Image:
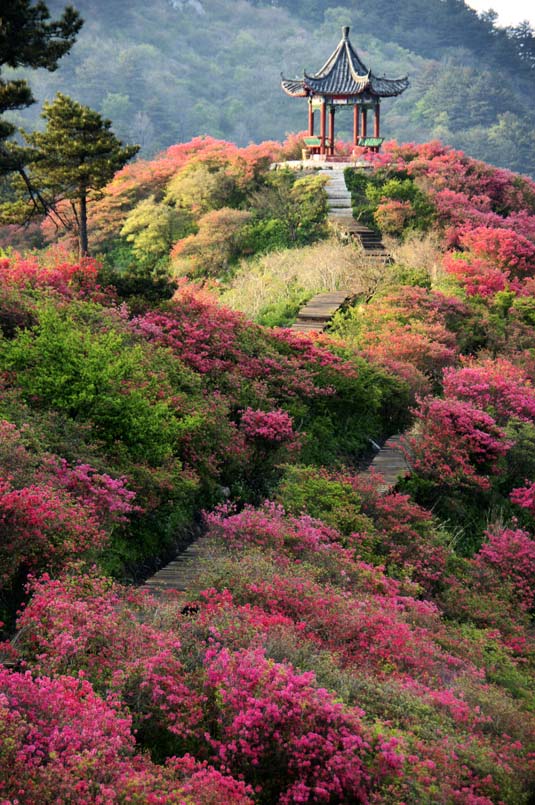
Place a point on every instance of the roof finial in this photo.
(345, 31)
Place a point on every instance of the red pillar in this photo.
(310, 120)
(377, 121)
(331, 131)
(356, 125)
(323, 126)
(364, 122)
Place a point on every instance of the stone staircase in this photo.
(340, 215)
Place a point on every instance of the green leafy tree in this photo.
(153, 228)
(76, 155)
(216, 246)
(204, 187)
(28, 38)
(96, 377)
(298, 205)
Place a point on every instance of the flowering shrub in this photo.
(264, 369)
(17, 462)
(90, 625)
(503, 248)
(456, 444)
(69, 279)
(108, 497)
(41, 527)
(268, 426)
(511, 554)
(476, 276)
(524, 496)
(409, 332)
(271, 717)
(60, 741)
(392, 216)
(496, 386)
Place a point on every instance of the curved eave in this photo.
(294, 87)
(388, 87)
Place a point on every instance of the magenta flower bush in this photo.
(457, 443)
(267, 426)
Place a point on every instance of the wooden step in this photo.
(390, 463)
(318, 312)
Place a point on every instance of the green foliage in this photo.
(76, 154)
(464, 513)
(289, 211)
(309, 490)
(405, 275)
(266, 235)
(217, 245)
(153, 228)
(367, 405)
(28, 38)
(389, 201)
(140, 283)
(68, 363)
(521, 456)
(284, 312)
(204, 186)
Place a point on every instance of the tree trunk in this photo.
(83, 247)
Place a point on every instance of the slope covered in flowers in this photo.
(339, 645)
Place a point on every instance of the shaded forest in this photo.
(172, 69)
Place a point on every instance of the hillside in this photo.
(169, 70)
(339, 643)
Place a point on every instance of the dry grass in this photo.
(326, 266)
(419, 251)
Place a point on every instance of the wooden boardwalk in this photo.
(184, 574)
(316, 314)
(340, 215)
(390, 463)
(180, 574)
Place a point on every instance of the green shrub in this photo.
(94, 373)
(308, 490)
(373, 194)
(369, 405)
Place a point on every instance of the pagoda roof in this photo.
(344, 74)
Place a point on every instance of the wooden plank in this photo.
(390, 462)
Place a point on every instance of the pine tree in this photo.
(76, 156)
(28, 38)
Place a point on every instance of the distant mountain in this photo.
(167, 70)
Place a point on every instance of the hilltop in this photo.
(339, 643)
(169, 70)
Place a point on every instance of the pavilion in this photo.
(343, 81)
